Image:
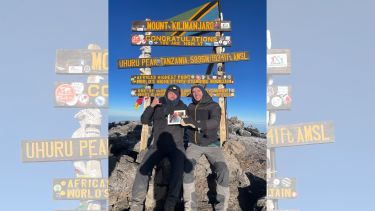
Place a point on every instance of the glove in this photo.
(189, 122)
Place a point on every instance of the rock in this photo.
(243, 132)
(245, 156)
(120, 185)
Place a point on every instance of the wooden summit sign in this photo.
(81, 95)
(80, 189)
(190, 41)
(281, 188)
(181, 79)
(182, 60)
(171, 26)
(184, 92)
(81, 62)
(300, 134)
(65, 149)
(278, 62)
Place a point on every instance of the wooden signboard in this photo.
(81, 95)
(181, 79)
(278, 62)
(80, 189)
(300, 134)
(279, 98)
(81, 62)
(190, 41)
(172, 26)
(182, 60)
(65, 149)
(281, 188)
(184, 92)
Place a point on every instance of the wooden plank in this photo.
(81, 62)
(279, 62)
(145, 128)
(187, 41)
(65, 149)
(181, 79)
(80, 189)
(281, 188)
(300, 134)
(81, 95)
(184, 92)
(172, 26)
(279, 98)
(182, 60)
(145, 133)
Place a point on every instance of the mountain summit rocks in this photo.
(245, 153)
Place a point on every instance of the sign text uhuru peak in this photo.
(181, 26)
(183, 60)
(62, 150)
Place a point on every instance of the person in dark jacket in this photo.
(168, 142)
(203, 121)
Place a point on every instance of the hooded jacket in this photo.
(165, 136)
(207, 114)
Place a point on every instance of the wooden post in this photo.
(272, 153)
(222, 101)
(146, 53)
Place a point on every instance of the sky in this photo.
(248, 34)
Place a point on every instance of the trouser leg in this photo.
(177, 159)
(140, 184)
(193, 154)
(216, 158)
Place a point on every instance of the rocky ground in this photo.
(245, 153)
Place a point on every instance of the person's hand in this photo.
(188, 121)
(155, 102)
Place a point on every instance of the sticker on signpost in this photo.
(279, 98)
(81, 95)
(81, 62)
(278, 62)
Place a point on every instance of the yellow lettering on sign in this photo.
(156, 26)
(323, 134)
(92, 148)
(82, 145)
(103, 147)
(290, 137)
(99, 60)
(316, 133)
(300, 136)
(30, 150)
(308, 133)
(128, 63)
(93, 90)
(280, 193)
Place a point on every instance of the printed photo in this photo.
(176, 117)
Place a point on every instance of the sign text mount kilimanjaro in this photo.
(171, 26)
